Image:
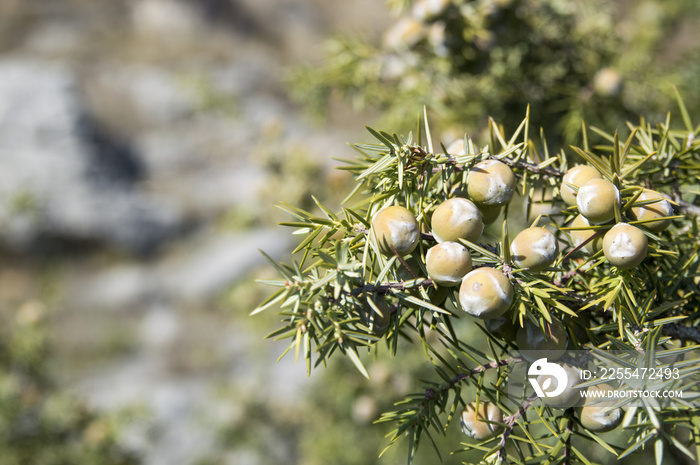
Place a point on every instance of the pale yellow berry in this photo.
(579, 236)
(489, 213)
(597, 414)
(482, 423)
(486, 293)
(597, 200)
(534, 249)
(660, 209)
(457, 147)
(491, 182)
(625, 246)
(571, 397)
(396, 229)
(607, 82)
(447, 263)
(456, 219)
(577, 176)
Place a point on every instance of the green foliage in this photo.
(323, 293)
(40, 424)
(598, 61)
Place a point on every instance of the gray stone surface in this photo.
(192, 95)
(76, 182)
(191, 277)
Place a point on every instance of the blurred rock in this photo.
(63, 177)
(116, 288)
(173, 436)
(16, 285)
(170, 18)
(192, 88)
(155, 94)
(54, 40)
(221, 262)
(197, 276)
(228, 13)
(160, 327)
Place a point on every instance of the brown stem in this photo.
(532, 168)
(583, 244)
(384, 287)
(510, 422)
(512, 419)
(682, 332)
(567, 445)
(398, 255)
(482, 368)
(687, 207)
(431, 394)
(428, 237)
(569, 274)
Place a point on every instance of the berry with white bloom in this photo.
(577, 176)
(447, 263)
(653, 211)
(491, 182)
(486, 293)
(596, 414)
(534, 249)
(597, 200)
(396, 229)
(625, 246)
(481, 423)
(455, 219)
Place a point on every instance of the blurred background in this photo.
(143, 146)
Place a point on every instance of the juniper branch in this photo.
(567, 444)
(682, 332)
(432, 394)
(532, 168)
(510, 422)
(482, 368)
(385, 287)
(687, 207)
